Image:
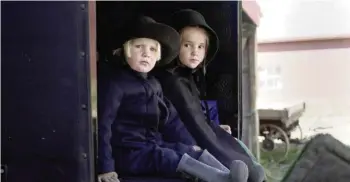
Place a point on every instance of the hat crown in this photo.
(145, 20)
(139, 22)
(190, 17)
(146, 27)
(186, 17)
(191, 14)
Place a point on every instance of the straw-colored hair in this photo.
(127, 47)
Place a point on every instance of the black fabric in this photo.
(178, 87)
(139, 131)
(146, 27)
(221, 74)
(189, 17)
(154, 179)
(324, 159)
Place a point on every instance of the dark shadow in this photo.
(222, 74)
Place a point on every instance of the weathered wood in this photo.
(250, 115)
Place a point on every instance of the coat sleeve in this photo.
(109, 98)
(151, 157)
(190, 111)
(174, 130)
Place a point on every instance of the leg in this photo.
(260, 169)
(204, 172)
(238, 169)
(210, 160)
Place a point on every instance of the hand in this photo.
(227, 128)
(196, 148)
(108, 177)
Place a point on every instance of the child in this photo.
(199, 44)
(139, 131)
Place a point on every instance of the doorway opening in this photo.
(222, 72)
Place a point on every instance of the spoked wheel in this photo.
(297, 136)
(275, 143)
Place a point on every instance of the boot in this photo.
(210, 160)
(204, 172)
(260, 173)
(239, 171)
(259, 176)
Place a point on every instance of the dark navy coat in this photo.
(179, 87)
(139, 131)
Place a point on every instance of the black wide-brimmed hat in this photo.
(146, 27)
(189, 17)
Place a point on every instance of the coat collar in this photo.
(129, 71)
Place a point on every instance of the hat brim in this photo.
(168, 38)
(188, 17)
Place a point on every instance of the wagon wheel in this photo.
(299, 135)
(275, 143)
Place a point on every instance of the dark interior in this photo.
(46, 131)
(222, 73)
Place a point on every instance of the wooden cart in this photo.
(277, 121)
